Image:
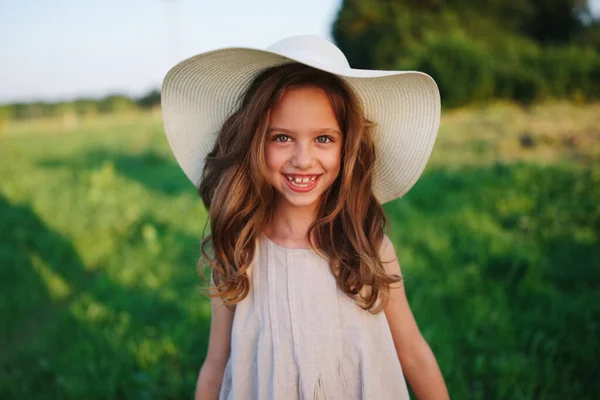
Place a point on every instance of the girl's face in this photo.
(303, 146)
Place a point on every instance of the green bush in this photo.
(570, 72)
(523, 51)
(468, 70)
(460, 67)
(516, 77)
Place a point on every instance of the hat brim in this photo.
(200, 93)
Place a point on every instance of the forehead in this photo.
(303, 109)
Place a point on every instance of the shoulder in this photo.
(388, 257)
(386, 250)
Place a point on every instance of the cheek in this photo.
(274, 159)
(332, 161)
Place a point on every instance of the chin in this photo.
(297, 201)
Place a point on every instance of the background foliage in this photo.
(499, 240)
(525, 51)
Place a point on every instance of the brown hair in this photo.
(349, 229)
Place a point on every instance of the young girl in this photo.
(293, 153)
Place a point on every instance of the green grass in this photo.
(499, 244)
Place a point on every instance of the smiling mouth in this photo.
(304, 181)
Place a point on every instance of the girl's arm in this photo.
(418, 362)
(219, 346)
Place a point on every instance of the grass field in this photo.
(499, 243)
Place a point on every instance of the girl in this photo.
(293, 153)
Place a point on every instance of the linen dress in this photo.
(298, 336)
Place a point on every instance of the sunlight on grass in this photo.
(499, 243)
(58, 288)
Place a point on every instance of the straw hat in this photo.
(200, 93)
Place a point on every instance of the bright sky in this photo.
(63, 49)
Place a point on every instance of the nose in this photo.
(303, 157)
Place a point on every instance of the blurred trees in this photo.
(521, 50)
(526, 51)
(150, 100)
(116, 103)
(79, 108)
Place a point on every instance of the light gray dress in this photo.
(297, 336)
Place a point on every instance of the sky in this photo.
(64, 49)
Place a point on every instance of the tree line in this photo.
(80, 107)
(526, 51)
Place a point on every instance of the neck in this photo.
(291, 222)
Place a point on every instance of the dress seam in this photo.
(291, 304)
(272, 296)
(273, 319)
(256, 283)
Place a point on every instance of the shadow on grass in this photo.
(70, 333)
(503, 275)
(154, 171)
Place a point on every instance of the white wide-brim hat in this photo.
(200, 93)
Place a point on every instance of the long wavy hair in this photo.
(350, 224)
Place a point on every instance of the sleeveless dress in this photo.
(297, 336)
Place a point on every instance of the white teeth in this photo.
(301, 182)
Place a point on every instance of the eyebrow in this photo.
(324, 130)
